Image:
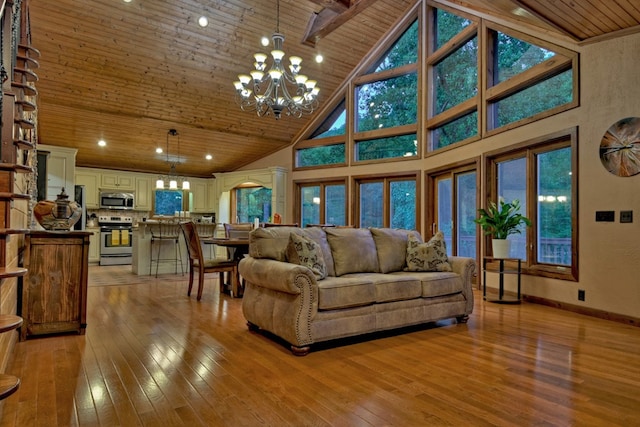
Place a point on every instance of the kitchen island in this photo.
(142, 234)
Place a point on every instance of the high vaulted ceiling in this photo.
(129, 72)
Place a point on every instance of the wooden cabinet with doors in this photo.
(117, 181)
(200, 196)
(54, 290)
(144, 192)
(90, 180)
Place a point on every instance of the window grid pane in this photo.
(387, 103)
(551, 93)
(445, 219)
(512, 185)
(323, 155)
(335, 203)
(466, 213)
(310, 205)
(456, 77)
(386, 148)
(554, 204)
(455, 131)
(404, 52)
(516, 56)
(447, 26)
(371, 205)
(403, 204)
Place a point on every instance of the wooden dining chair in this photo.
(203, 266)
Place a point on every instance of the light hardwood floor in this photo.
(152, 356)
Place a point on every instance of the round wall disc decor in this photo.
(620, 147)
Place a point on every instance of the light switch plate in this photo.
(605, 216)
(626, 216)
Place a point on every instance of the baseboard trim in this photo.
(601, 314)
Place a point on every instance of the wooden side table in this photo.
(54, 290)
(501, 272)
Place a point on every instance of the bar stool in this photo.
(165, 232)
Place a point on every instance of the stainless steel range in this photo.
(116, 240)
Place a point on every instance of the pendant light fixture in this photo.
(172, 178)
(274, 90)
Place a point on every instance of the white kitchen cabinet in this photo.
(117, 181)
(203, 196)
(144, 193)
(61, 164)
(90, 180)
(94, 245)
(199, 196)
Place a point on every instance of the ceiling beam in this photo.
(333, 15)
(338, 6)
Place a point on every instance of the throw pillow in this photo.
(430, 256)
(304, 251)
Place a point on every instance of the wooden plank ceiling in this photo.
(129, 72)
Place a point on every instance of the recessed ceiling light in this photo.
(264, 41)
(319, 58)
(159, 150)
(208, 157)
(203, 21)
(102, 143)
(127, 1)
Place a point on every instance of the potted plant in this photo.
(500, 221)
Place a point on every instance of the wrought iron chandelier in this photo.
(277, 90)
(172, 178)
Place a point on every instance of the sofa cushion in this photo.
(318, 235)
(303, 251)
(390, 287)
(353, 250)
(435, 283)
(391, 245)
(344, 292)
(270, 242)
(430, 256)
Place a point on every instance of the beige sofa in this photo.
(365, 289)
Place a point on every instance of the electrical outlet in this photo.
(605, 216)
(626, 216)
(580, 294)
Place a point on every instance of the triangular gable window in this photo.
(403, 52)
(334, 125)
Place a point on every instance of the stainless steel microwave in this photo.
(113, 200)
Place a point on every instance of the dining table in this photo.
(239, 247)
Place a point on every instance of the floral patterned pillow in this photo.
(303, 251)
(429, 256)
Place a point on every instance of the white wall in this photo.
(608, 252)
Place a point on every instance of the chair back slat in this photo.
(238, 231)
(192, 240)
(164, 229)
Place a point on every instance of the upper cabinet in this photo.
(198, 198)
(61, 163)
(144, 192)
(90, 180)
(117, 181)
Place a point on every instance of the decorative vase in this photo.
(501, 248)
(57, 215)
